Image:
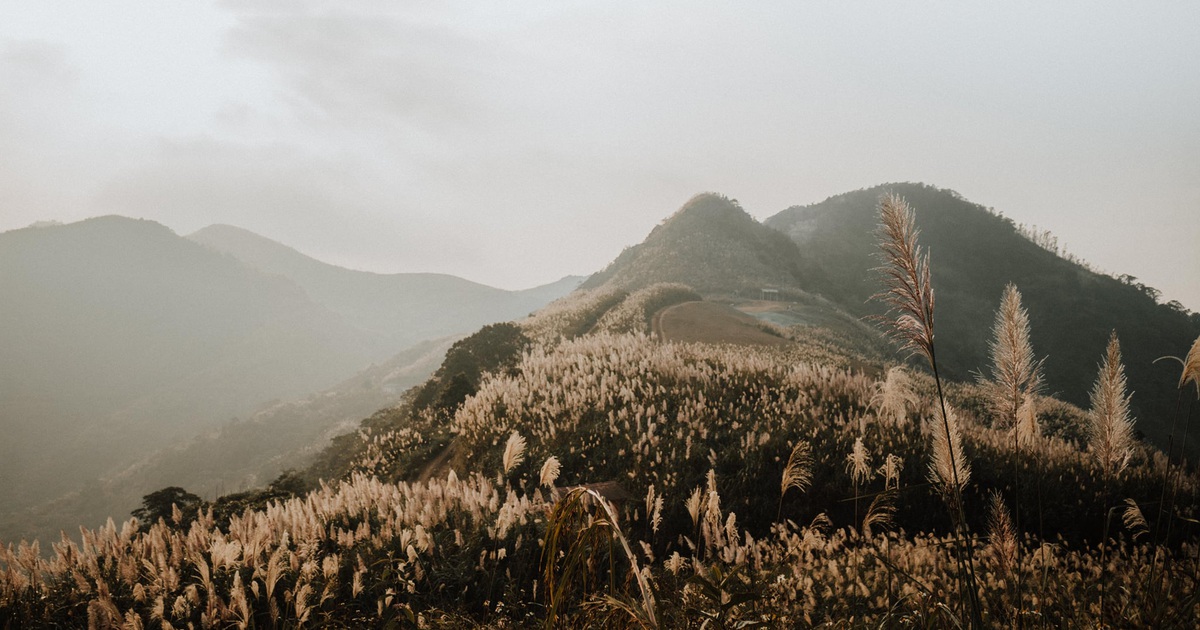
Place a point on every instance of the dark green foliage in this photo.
(161, 504)
(494, 347)
(289, 484)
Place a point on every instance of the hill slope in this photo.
(404, 307)
(239, 454)
(713, 246)
(974, 253)
(120, 337)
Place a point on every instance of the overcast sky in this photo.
(513, 143)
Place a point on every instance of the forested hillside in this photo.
(975, 252)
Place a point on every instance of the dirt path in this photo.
(710, 322)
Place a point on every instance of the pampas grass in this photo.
(1135, 522)
(909, 297)
(581, 528)
(1110, 427)
(1003, 540)
(948, 473)
(1016, 379)
(514, 452)
(894, 396)
(1191, 368)
(909, 293)
(549, 472)
(796, 474)
(858, 463)
(1016, 374)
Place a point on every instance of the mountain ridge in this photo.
(405, 307)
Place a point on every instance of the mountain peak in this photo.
(712, 245)
(709, 207)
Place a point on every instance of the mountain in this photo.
(120, 337)
(712, 245)
(405, 308)
(238, 454)
(974, 253)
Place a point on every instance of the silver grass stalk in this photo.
(693, 506)
(881, 512)
(1015, 372)
(1002, 534)
(891, 471)
(549, 472)
(909, 297)
(514, 452)
(1028, 429)
(1191, 368)
(949, 470)
(1110, 425)
(894, 396)
(909, 293)
(798, 471)
(858, 463)
(1135, 521)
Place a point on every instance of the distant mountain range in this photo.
(404, 308)
(121, 337)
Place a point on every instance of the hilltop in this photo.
(712, 245)
(974, 253)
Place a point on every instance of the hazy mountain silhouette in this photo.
(712, 245)
(974, 253)
(404, 307)
(238, 454)
(120, 336)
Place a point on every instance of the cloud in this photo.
(368, 71)
(42, 144)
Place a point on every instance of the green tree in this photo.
(161, 504)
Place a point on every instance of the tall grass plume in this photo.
(1110, 427)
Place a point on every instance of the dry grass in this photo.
(1111, 426)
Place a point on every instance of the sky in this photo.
(513, 143)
